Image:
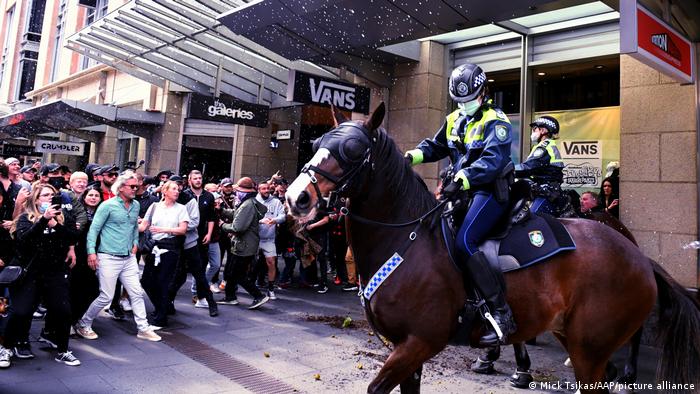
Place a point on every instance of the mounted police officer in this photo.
(544, 166)
(477, 138)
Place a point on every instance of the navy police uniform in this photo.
(479, 148)
(545, 167)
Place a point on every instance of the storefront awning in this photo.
(351, 31)
(74, 117)
(182, 42)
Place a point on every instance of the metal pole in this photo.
(219, 72)
(525, 95)
(697, 154)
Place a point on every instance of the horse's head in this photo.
(341, 160)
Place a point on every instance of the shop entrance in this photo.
(315, 121)
(210, 155)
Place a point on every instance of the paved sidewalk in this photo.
(294, 341)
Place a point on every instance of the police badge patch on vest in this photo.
(538, 152)
(536, 238)
(501, 132)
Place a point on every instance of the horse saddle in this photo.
(520, 240)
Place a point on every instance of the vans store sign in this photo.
(60, 147)
(312, 89)
(228, 110)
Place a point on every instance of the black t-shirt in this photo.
(206, 210)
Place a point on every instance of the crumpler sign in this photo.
(227, 109)
(654, 42)
(312, 89)
(60, 147)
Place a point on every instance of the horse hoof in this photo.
(482, 367)
(521, 380)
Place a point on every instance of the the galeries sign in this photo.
(313, 89)
(60, 147)
(228, 110)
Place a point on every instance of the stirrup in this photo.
(495, 326)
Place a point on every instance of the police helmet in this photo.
(549, 123)
(466, 82)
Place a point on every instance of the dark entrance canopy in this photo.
(74, 117)
(349, 32)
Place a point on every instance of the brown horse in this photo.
(593, 299)
(522, 376)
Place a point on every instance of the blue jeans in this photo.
(483, 214)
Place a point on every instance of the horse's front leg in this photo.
(401, 365)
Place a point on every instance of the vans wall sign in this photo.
(655, 43)
(227, 109)
(60, 147)
(313, 89)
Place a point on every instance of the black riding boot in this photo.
(490, 284)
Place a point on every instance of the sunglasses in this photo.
(133, 187)
(112, 174)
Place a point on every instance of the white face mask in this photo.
(534, 137)
(470, 107)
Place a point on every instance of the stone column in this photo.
(164, 145)
(418, 103)
(255, 158)
(658, 176)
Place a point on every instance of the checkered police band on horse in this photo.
(419, 304)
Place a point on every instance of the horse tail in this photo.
(678, 331)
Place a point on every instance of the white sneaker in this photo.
(148, 335)
(5, 355)
(271, 294)
(214, 288)
(86, 332)
(201, 303)
(125, 304)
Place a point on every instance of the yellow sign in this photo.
(588, 140)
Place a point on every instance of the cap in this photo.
(27, 168)
(216, 195)
(226, 182)
(164, 172)
(106, 169)
(176, 178)
(246, 185)
(90, 168)
(48, 168)
(11, 160)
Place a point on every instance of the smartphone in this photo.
(57, 200)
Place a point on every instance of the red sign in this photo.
(657, 39)
(655, 43)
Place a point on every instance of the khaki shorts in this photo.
(268, 248)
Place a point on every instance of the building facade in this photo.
(155, 59)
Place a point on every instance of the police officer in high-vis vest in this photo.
(477, 138)
(544, 166)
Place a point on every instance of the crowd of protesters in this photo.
(108, 240)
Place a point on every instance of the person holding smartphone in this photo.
(44, 233)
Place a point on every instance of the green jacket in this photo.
(245, 227)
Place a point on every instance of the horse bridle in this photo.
(345, 181)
